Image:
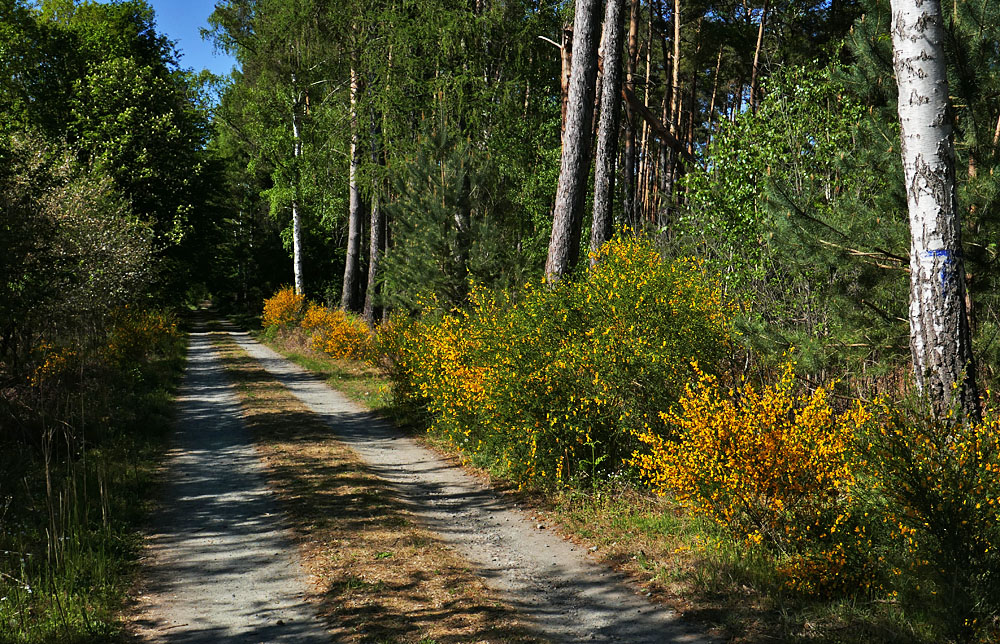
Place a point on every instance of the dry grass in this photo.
(378, 576)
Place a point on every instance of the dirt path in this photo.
(555, 587)
(221, 566)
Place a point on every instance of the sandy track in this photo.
(555, 587)
(221, 566)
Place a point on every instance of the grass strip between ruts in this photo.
(378, 576)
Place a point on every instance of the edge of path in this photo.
(552, 583)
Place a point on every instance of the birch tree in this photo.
(355, 215)
(940, 341)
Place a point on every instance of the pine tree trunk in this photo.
(940, 340)
(566, 63)
(567, 217)
(607, 136)
(356, 208)
(296, 210)
(628, 174)
(755, 75)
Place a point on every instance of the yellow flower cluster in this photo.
(336, 333)
(547, 386)
(132, 337)
(54, 363)
(136, 335)
(944, 477)
(776, 467)
(283, 309)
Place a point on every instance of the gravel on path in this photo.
(551, 583)
(221, 566)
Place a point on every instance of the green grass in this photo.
(71, 504)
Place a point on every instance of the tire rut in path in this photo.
(221, 566)
(551, 583)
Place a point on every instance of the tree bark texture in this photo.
(607, 135)
(296, 210)
(566, 63)
(567, 218)
(356, 208)
(940, 340)
(630, 153)
(376, 236)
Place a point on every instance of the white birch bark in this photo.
(296, 210)
(940, 341)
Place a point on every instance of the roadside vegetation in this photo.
(775, 507)
(766, 368)
(83, 443)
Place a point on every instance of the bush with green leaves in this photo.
(554, 385)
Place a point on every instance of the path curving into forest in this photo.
(554, 586)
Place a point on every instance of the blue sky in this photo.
(180, 20)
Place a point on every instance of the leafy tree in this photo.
(777, 211)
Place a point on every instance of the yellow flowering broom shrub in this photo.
(943, 481)
(550, 386)
(336, 333)
(137, 335)
(777, 468)
(283, 309)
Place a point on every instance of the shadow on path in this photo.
(222, 568)
(551, 583)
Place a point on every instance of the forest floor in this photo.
(399, 543)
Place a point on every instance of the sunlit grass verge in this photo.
(72, 501)
(699, 569)
(377, 575)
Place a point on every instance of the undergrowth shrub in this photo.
(943, 481)
(76, 475)
(337, 334)
(283, 309)
(777, 468)
(552, 386)
(137, 335)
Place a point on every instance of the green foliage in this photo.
(552, 387)
(943, 485)
(450, 227)
(72, 501)
(99, 78)
(777, 211)
(74, 253)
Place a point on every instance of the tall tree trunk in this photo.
(296, 192)
(631, 119)
(940, 341)
(644, 166)
(607, 136)
(566, 62)
(348, 296)
(567, 217)
(715, 90)
(755, 75)
(377, 232)
(675, 89)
